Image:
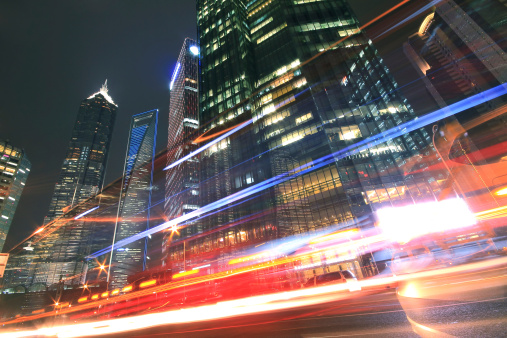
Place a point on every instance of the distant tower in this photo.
(60, 254)
(84, 166)
(135, 199)
(14, 169)
(182, 181)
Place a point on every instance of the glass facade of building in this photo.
(309, 84)
(135, 199)
(14, 170)
(59, 254)
(182, 180)
(84, 166)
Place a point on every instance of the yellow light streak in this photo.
(501, 192)
(185, 273)
(335, 236)
(249, 258)
(148, 283)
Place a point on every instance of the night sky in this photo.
(55, 53)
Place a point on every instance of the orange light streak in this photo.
(492, 213)
(82, 299)
(203, 138)
(249, 258)
(185, 273)
(115, 292)
(94, 297)
(128, 288)
(104, 294)
(501, 192)
(147, 283)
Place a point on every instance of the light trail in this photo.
(492, 213)
(208, 145)
(246, 306)
(86, 212)
(323, 161)
(407, 19)
(205, 137)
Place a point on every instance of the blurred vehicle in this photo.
(335, 277)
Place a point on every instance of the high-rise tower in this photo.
(135, 199)
(308, 83)
(84, 165)
(14, 170)
(182, 180)
(59, 254)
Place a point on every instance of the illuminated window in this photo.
(304, 118)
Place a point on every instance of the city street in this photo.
(365, 315)
(253, 168)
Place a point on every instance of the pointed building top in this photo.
(104, 87)
(104, 91)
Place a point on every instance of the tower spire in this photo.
(104, 89)
(105, 92)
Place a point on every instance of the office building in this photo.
(84, 166)
(134, 205)
(14, 170)
(307, 84)
(182, 180)
(58, 255)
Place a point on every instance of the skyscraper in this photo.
(84, 165)
(306, 83)
(59, 253)
(182, 181)
(135, 199)
(14, 170)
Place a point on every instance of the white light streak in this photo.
(175, 74)
(86, 212)
(215, 141)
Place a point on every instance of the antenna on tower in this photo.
(104, 88)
